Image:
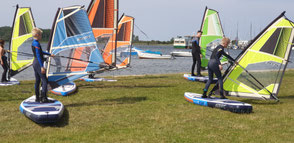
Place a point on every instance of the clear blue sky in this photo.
(164, 19)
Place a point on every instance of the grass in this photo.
(147, 109)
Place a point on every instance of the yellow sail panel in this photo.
(20, 45)
(262, 64)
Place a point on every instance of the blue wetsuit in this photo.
(213, 67)
(37, 64)
(196, 56)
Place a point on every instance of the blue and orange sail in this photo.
(74, 46)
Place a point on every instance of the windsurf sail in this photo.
(103, 16)
(124, 40)
(262, 64)
(21, 39)
(74, 46)
(212, 32)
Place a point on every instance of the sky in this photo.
(165, 19)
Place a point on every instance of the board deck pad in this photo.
(12, 81)
(65, 90)
(198, 78)
(97, 79)
(214, 102)
(42, 112)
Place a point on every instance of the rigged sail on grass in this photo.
(103, 16)
(21, 40)
(212, 31)
(262, 64)
(124, 40)
(74, 46)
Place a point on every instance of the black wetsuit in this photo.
(213, 67)
(5, 67)
(196, 56)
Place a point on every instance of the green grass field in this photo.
(147, 109)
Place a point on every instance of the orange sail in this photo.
(124, 40)
(103, 15)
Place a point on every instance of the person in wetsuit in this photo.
(3, 61)
(39, 69)
(196, 54)
(215, 67)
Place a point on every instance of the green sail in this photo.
(212, 31)
(262, 64)
(20, 41)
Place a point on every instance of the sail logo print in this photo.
(272, 63)
(83, 38)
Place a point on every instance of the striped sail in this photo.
(212, 31)
(74, 46)
(103, 16)
(21, 39)
(262, 64)
(124, 40)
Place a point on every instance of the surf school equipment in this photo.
(11, 82)
(214, 102)
(42, 112)
(21, 38)
(212, 32)
(103, 16)
(262, 63)
(124, 40)
(198, 78)
(65, 90)
(74, 46)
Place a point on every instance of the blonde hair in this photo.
(225, 40)
(36, 31)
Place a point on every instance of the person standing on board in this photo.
(215, 67)
(196, 54)
(39, 69)
(3, 61)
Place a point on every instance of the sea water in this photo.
(146, 66)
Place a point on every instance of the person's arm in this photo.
(1, 53)
(46, 53)
(228, 56)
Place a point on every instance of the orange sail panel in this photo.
(124, 40)
(103, 19)
(78, 65)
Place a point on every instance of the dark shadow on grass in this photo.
(260, 102)
(124, 86)
(62, 122)
(287, 97)
(150, 77)
(122, 100)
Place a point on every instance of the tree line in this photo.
(5, 34)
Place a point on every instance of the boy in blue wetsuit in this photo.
(196, 54)
(39, 69)
(215, 67)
